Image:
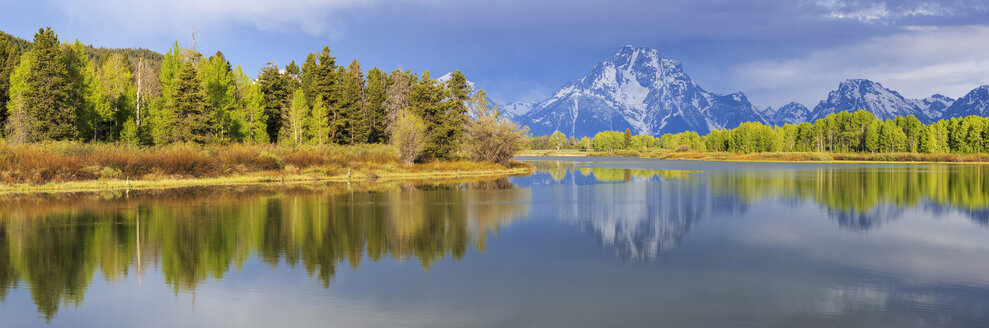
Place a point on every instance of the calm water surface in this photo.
(601, 242)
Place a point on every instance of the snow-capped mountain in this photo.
(792, 113)
(860, 94)
(640, 90)
(934, 106)
(513, 110)
(976, 102)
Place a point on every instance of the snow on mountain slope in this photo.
(860, 94)
(640, 90)
(976, 102)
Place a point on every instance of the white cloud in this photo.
(883, 12)
(315, 17)
(917, 62)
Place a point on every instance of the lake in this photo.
(584, 242)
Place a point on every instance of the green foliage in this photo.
(558, 140)
(48, 98)
(197, 117)
(489, 137)
(296, 119)
(409, 135)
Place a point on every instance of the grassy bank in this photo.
(778, 157)
(66, 166)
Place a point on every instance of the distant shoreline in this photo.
(793, 157)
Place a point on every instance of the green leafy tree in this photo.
(558, 139)
(221, 92)
(297, 116)
(319, 127)
(408, 134)
(10, 56)
(19, 126)
(164, 117)
(115, 97)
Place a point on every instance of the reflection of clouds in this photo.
(920, 305)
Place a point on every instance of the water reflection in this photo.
(751, 238)
(639, 213)
(56, 247)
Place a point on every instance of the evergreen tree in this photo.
(456, 119)
(357, 118)
(427, 102)
(375, 95)
(198, 122)
(47, 99)
(274, 89)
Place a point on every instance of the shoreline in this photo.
(256, 178)
(712, 157)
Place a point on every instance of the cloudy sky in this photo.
(775, 51)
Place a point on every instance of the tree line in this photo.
(55, 91)
(842, 132)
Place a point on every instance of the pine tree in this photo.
(198, 122)
(47, 98)
(375, 95)
(427, 102)
(456, 117)
(357, 111)
(275, 92)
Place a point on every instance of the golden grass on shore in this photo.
(76, 166)
(779, 156)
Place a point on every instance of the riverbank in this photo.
(77, 167)
(777, 157)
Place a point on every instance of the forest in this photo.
(842, 132)
(55, 92)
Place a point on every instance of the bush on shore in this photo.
(74, 161)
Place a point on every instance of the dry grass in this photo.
(62, 162)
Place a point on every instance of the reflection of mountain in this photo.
(57, 248)
(636, 213)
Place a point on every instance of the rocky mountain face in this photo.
(860, 94)
(976, 102)
(638, 90)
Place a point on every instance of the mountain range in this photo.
(640, 90)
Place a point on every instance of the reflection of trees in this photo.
(201, 235)
(861, 198)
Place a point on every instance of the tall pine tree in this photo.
(198, 122)
(47, 98)
(374, 102)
